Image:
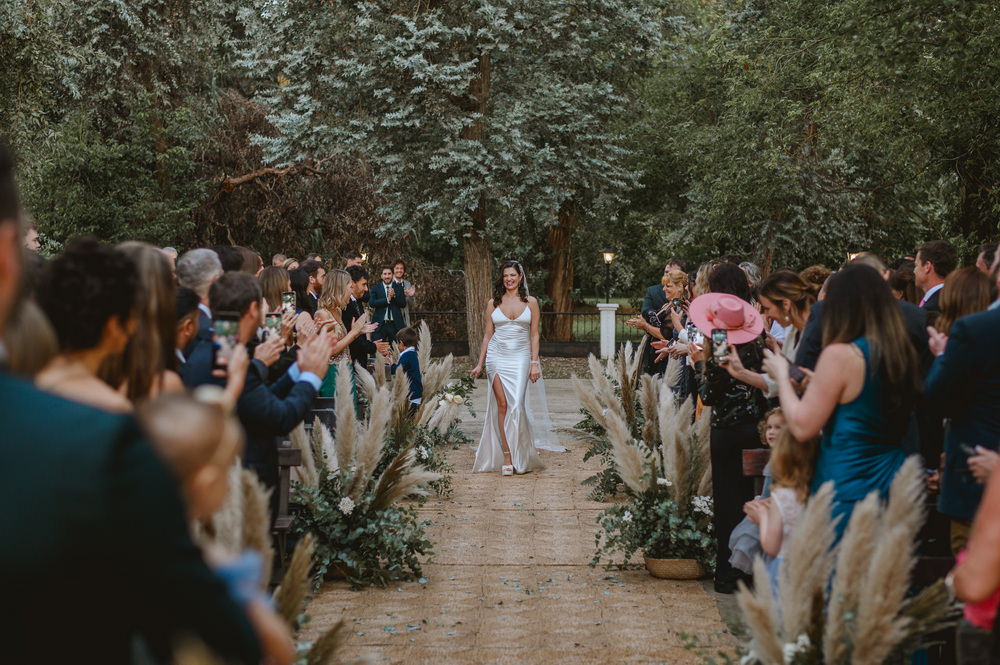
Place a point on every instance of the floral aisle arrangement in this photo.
(434, 427)
(354, 510)
(864, 615)
(667, 476)
(610, 389)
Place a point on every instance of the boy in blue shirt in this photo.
(406, 342)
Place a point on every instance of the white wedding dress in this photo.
(527, 425)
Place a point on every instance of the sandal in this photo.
(507, 469)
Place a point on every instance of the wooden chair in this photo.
(287, 458)
(754, 461)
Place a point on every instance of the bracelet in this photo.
(535, 362)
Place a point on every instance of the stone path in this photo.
(510, 583)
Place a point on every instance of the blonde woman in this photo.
(330, 312)
(673, 315)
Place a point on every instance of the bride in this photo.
(515, 427)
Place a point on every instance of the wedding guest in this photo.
(966, 291)
(273, 282)
(674, 263)
(984, 259)
(31, 242)
(406, 342)
(362, 347)
(329, 316)
(815, 276)
(388, 301)
(30, 341)
(354, 260)
(976, 581)
(902, 284)
(197, 269)
(410, 291)
(148, 365)
(115, 549)
(171, 254)
(230, 257)
(316, 273)
(290, 264)
(792, 463)
(88, 294)
(863, 392)
(964, 386)
(935, 261)
(278, 260)
(787, 299)
(252, 263)
(744, 543)
(186, 309)
(736, 406)
(268, 412)
(200, 442)
(318, 258)
(298, 280)
(753, 273)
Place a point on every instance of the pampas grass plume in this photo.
(257, 522)
(290, 595)
(759, 614)
(808, 560)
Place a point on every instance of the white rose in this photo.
(346, 505)
(441, 402)
(456, 399)
(664, 482)
(626, 516)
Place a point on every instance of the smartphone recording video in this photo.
(272, 325)
(288, 303)
(720, 345)
(226, 326)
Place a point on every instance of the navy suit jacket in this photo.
(654, 299)
(197, 371)
(95, 540)
(964, 385)
(410, 365)
(268, 412)
(383, 306)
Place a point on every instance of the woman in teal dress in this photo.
(861, 394)
(329, 313)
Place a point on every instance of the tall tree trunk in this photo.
(478, 263)
(478, 288)
(560, 265)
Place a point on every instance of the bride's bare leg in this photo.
(501, 398)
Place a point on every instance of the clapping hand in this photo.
(937, 341)
(287, 326)
(982, 463)
(776, 365)
(268, 352)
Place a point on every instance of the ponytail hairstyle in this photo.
(499, 289)
(786, 285)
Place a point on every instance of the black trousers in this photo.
(730, 488)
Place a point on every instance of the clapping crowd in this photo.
(843, 374)
(131, 379)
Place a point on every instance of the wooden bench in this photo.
(287, 458)
(754, 461)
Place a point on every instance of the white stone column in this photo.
(607, 328)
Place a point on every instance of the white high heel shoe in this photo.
(507, 470)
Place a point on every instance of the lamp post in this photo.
(609, 257)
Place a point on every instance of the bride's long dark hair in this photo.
(499, 289)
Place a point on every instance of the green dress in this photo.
(329, 387)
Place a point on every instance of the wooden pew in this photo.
(754, 461)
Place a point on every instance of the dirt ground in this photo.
(510, 581)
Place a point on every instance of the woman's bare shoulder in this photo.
(532, 300)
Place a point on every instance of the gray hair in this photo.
(752, 272)
(197, 269)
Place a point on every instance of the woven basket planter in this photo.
(674, 569)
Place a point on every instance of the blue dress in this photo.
(859, 451)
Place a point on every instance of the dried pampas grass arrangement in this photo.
(861, 616)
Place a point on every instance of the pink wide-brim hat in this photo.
(731, 313)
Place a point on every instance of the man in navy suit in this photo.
(388, 300)
(95, 536)
(935, 261)
(964, 386)
(406, 341)
(268, 412)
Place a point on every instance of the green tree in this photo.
(480, 119)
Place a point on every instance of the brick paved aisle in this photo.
(510, 582)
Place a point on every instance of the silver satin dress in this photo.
(508, 356)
